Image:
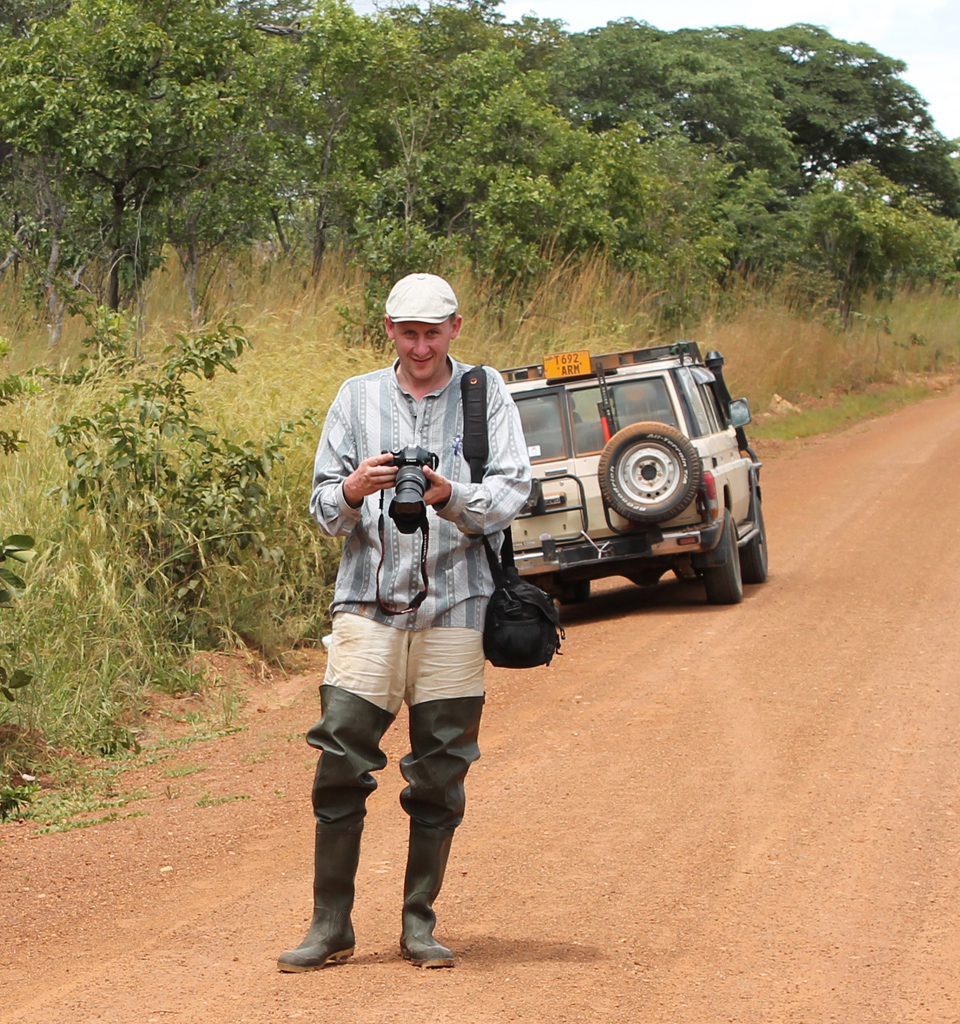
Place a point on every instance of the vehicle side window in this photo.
(709, 403)
(542, 426)
(701, 423)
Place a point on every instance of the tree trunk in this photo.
(281, 238)
(319, 243)
(113, 286)
(190, 264)
(56, 215)
(192, 277)
(55, 305)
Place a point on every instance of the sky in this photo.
(923, 33)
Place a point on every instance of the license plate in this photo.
(566, 364)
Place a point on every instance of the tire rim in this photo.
(650, 474)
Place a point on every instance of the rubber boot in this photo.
(348, 734)
(443, 745)
(330, 938)
(426, 864)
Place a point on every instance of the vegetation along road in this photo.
(697, 815)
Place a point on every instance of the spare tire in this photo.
(649, 472)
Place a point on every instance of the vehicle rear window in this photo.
(542, 426)
(634, 400)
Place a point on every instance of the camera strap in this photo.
(421, 594)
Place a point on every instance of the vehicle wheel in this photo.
(574, 592)
(753, 554)
(649, 472)
(723, 582)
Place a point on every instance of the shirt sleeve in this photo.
(493, 504)
(336, 459)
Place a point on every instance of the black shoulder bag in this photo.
(522, 628)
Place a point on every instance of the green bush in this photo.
(165, 533)
(186, 497)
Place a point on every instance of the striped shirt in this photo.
(373, 414)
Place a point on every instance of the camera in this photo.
(408, 509)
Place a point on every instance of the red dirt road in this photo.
(698, 815)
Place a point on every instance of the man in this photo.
(408, 612)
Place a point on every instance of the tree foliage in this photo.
(426, 130)
(869, 232)
(121, 110)
(795, 102)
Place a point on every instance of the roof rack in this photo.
(684, 350)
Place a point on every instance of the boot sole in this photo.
(433, 962)
(334, 959)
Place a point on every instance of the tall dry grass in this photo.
(97, 639)
(770, 348)
(304, 342)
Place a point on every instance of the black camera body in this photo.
(408, 509)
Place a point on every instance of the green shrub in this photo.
(187, 498)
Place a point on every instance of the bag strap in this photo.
(476, 450)
(476, 443)
(496, 569)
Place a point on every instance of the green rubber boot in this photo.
(330, 938)
(426, 863)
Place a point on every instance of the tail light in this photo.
(711, 506)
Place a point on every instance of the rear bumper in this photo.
(653, 543)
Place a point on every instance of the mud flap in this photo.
(710, 539)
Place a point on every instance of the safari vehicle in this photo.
(641, 466)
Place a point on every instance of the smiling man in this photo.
(408, 610)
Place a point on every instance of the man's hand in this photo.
(370, 476)
(439, 491)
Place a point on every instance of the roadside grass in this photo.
(70, 825)
(771, 349)
(181, 771)
(840, 412)
(61, 810)
(199, 735)
(95, 633)
(206, 800)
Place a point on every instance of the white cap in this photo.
(425, 298)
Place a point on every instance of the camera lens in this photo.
(407, 508)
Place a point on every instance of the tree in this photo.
(124, 102)
(690, 82)
(795, 102)
(16, 16)
(868, 232)
(332, 116)
(846, 103)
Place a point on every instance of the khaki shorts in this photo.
(388, 666)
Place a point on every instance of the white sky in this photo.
(923, 33)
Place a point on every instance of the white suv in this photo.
(640, 466)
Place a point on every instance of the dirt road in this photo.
(698, 815)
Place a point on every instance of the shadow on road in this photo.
(489, 951)
(615, 598)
